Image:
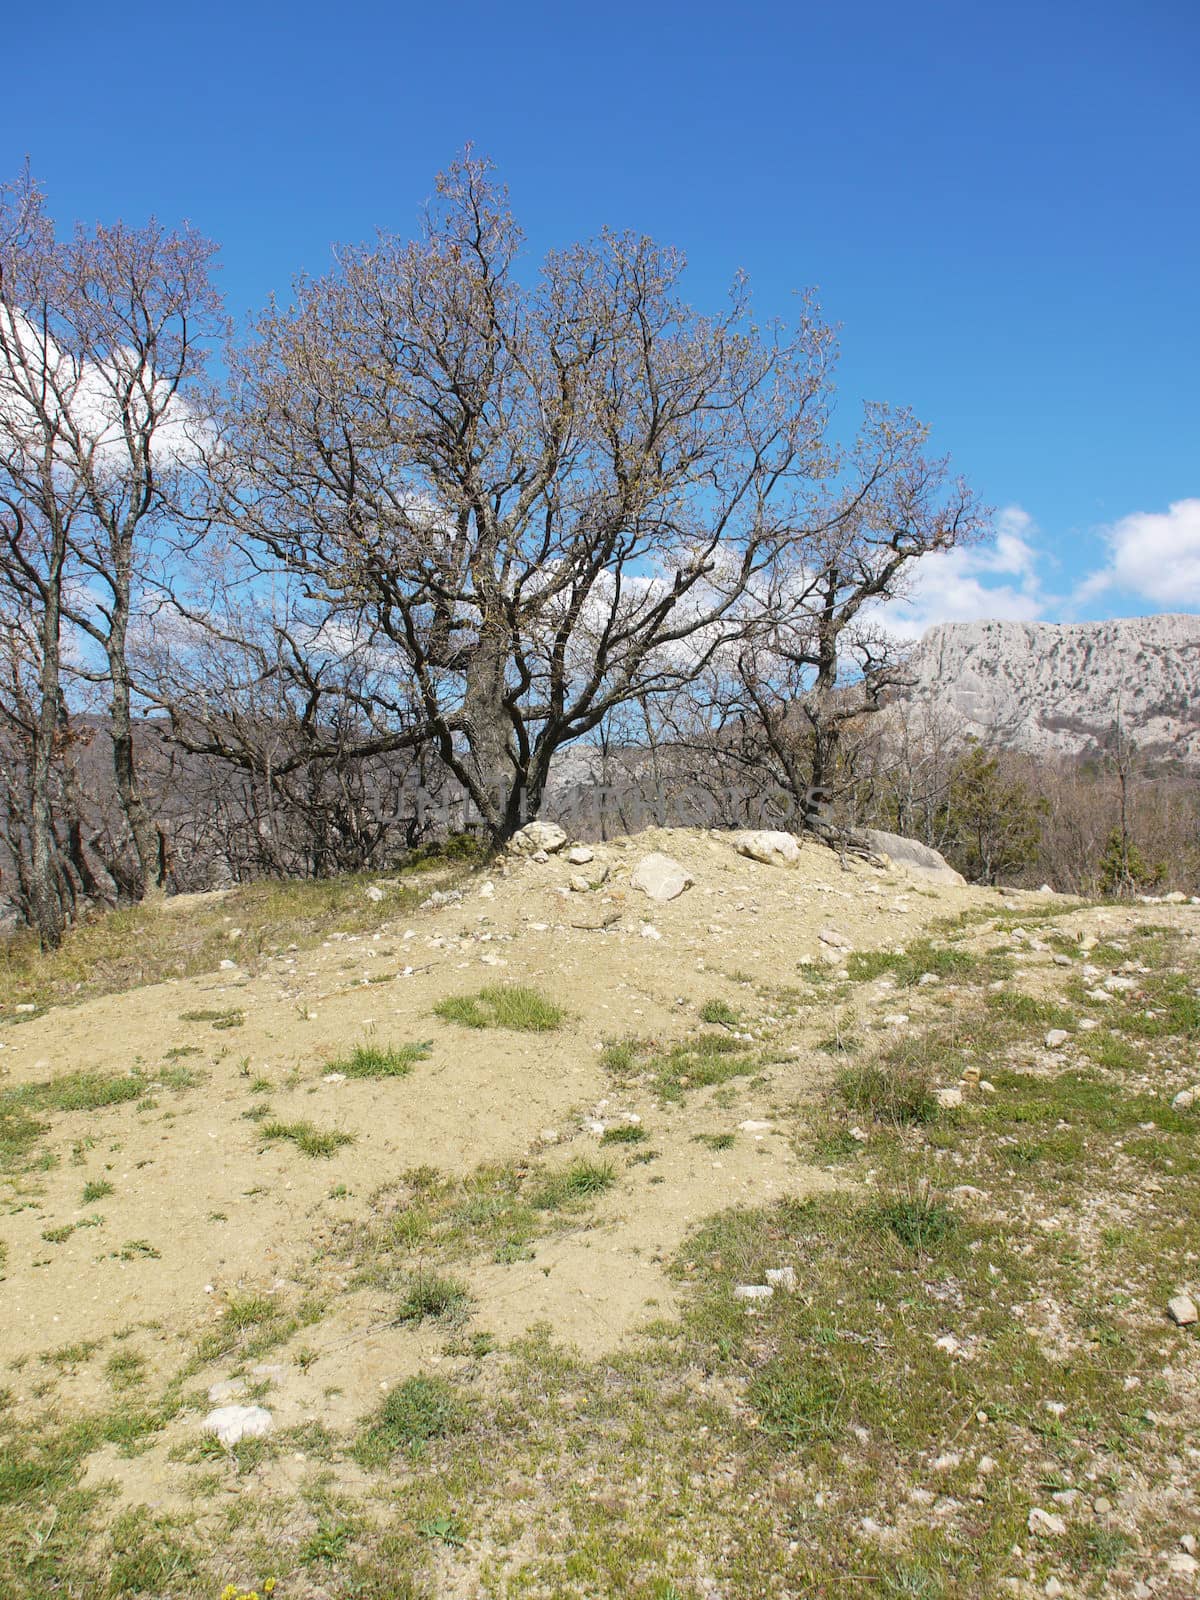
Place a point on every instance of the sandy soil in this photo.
(225, 1212)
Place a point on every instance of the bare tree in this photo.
(541, 502)
(103, 337)
(36, 514)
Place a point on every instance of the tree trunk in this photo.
(45, 890)
(146, 843)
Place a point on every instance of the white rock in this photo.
(579, 884)
(836, 940)
(1181, 1309)
(773, 849)
(1056, 1038)
(1088, 1025)
(373, 893)
(949, 1344)
(948, 1098)
(660, 877)
(750, 1126)
(231, 1423)
(1184, 1100)
(220, 1394)
(537, 836)
(487, 890)
(1046, 1524)
(782, 1278)
(1182, 1565)
(753, 1291)
(649, 931)
(579, 855)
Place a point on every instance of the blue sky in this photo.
(998, 202)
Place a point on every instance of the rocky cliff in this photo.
(1056, 688)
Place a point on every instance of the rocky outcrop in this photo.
(917, 858)
(1056, 688)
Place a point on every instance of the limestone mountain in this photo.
(1057, 688)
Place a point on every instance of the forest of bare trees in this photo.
(295, 598)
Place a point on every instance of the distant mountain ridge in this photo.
(1056, 688)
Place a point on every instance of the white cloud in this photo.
(1154, 555)
(998, 580)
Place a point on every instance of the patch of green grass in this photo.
(892, 1094)
(429, 1296)
(581, 1180)
(445, 1529)
(620, 1056)
(908, 966)
(328, 1543)
(703, 1061)
(503, 1005)
(232, 1017)
(125, 1369)
(307, 1137)
(1029, 1010)
(719, 1012)
(377, 1061)
(627, 1133)
(919, 1222)
(98, 1189)
(716, 1141)
(414, 1413)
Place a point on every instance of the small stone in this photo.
(986, 1087)
(579, 855)
(773, 849)
(926, 979)
(232, 1423)
(970, 1075)
(1182, 1310)
(753, 1291)
(1182, 1565)
(1088, 1025)
(487, 891)
(1188, 1542)
(537, 838)
(1061, 960)
(782, 1278)
(1184, 1100)
(660, 877)
(1056, 1038)
(948, 1098)
(834, 939)
(1102, 1506)
(949, 1344)
(373, 893)
(649, 931)
(220, 1394)
(579, 884)
(947, 1462)
(1046, 1524)
(750, 1126)
(1053, 1589)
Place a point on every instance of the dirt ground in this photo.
(205, 1212)
(226, 1212)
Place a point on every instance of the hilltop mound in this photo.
(525, 1203)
